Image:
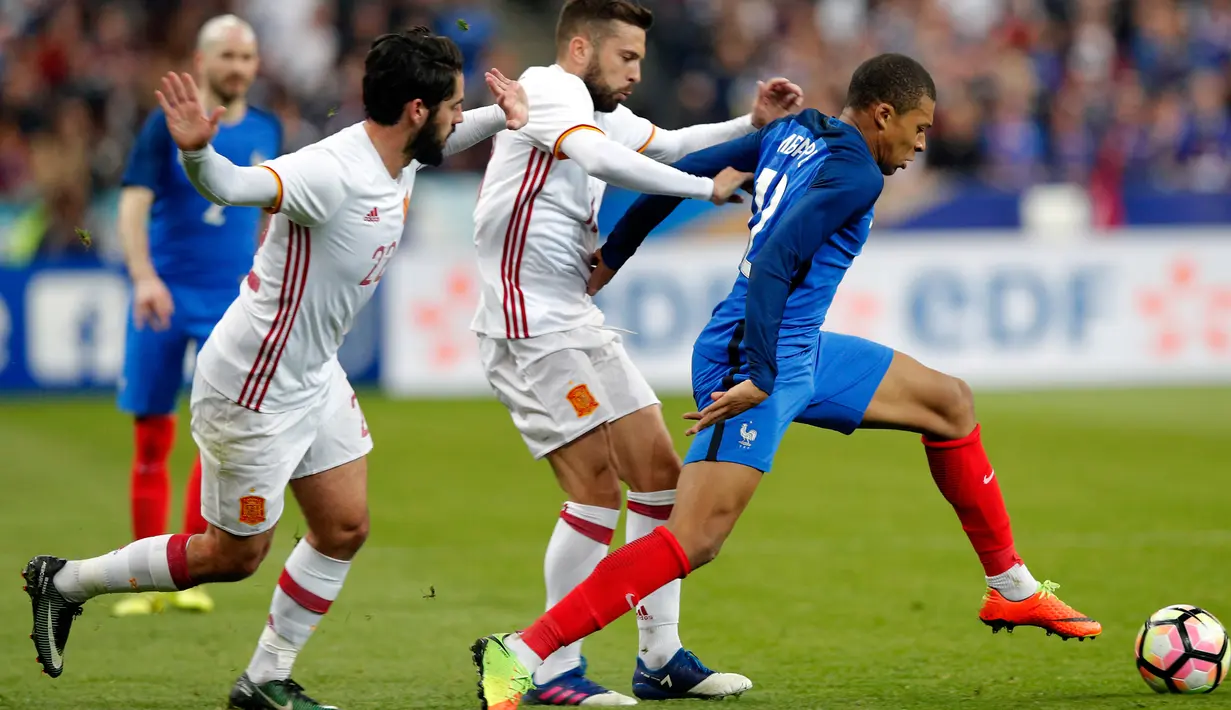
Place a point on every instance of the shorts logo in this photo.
(583, 402)
(747, 436)
(252, 510)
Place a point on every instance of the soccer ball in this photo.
(1183, 649)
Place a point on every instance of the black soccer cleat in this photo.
(274, 695)
(53, 614)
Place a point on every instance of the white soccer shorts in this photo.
(248, 458)
(559, 386)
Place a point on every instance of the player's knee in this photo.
(239, 563)
(956, 407)
(343, 539)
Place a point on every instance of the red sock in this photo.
(194, 524)
(151, 485)
(616, 587)
(966, 479)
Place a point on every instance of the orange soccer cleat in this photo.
(1042, 609)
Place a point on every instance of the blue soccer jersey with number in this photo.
(816, 183)
(200, 250)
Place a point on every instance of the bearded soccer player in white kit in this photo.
(571, 389)
(270, 403)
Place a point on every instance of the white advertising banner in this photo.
(1127, 309)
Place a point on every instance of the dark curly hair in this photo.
(404, 66)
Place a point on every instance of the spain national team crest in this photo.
(583, 402)
(252, 510)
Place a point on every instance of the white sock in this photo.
(579, 542)
(658, 618)
(151, 564)
(309, 584)
(1014, 584)
(528, 657)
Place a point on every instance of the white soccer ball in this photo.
(1183, 649)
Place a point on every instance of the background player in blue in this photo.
(763, 362)
(186, 257)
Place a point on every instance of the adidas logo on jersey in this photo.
(372, 216)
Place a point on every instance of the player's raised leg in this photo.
(650, 466)
(909, 396)
(58, 588)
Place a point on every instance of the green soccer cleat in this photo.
(192, 599)
(274, 695)
(503, 680)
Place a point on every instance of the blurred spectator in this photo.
(1107, 91)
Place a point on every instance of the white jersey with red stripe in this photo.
(338, 220)
(536, 216)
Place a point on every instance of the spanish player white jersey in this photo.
(536, 216)
(337, 222)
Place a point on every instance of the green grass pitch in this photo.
(848, 583)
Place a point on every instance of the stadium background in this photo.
(1064, 244)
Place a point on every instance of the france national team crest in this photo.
(746, 435)
(583, 402)
(252, 510)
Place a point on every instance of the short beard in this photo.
(426, 147)
(224, 97)
(604, 102)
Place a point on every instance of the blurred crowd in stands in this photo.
(1030, 90)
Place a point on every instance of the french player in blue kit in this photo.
(186, 257)
(763, 362)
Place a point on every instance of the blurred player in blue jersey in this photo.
(186, 257)
(763, 362)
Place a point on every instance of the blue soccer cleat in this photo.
(574, 688)
(685, 676)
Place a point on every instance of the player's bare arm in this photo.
(152, 303)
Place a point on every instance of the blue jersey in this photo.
(193, 242)
(816, 184)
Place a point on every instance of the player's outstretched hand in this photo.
(187, 122)
(731, 403)
(510, 97)
(726, 184)
(776, 98)
(600, 273)
(152, 303)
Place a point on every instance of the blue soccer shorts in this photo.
(153, 375)
(827, 385)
